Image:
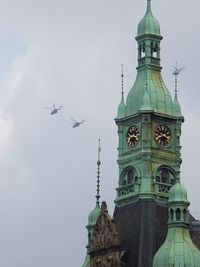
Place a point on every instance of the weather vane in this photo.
(176, 72)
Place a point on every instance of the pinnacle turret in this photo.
(94, 214)
(178, 248)
(176, 105)
(121, 112)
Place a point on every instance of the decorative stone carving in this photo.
(104, 249)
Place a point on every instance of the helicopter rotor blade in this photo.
(72, 119)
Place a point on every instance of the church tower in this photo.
(147, 203)
(149, 125)
(149, 129)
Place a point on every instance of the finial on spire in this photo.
(176, 72)
(148, 5)
(122, 76)
(98, 172)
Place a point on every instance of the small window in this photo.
(143, 51)
(154, 50)
(178, 214)
(184, 215)
(165, 176)
(130, 176)
(139, 51)
(171, 215)
(89, 237)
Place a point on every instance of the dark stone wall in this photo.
(127, 225)
(142, 228)
(195, 232)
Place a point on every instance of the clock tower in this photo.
(149, 125)
(151, 224)
(149, 129)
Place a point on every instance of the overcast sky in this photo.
(70, 53)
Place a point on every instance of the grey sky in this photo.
(70, 53)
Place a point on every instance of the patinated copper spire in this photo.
(98, 172)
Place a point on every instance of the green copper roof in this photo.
(121, 112)
(176, 107)
(158, 98)
(148, 24)
(93, 216)
(146, 102)
(87, 261)
(149, 91)
(178, 193)
(178, 250)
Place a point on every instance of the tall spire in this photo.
(122, 76)
(94, 214)
(121, 112)
(98, 172)
(176, 105)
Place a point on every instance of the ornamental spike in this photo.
(148, 5)
(122, 76)
(98, 172)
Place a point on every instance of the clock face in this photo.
(162, 135)
(132, 136)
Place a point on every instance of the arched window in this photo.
(185, 215)
(140, 51)
(171, 215)
(178, 214)
(129, 176)
(154, 50)
(165, 176)
(89, 237)
(143, 50)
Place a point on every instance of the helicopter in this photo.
(76, 123)
(54, 109)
